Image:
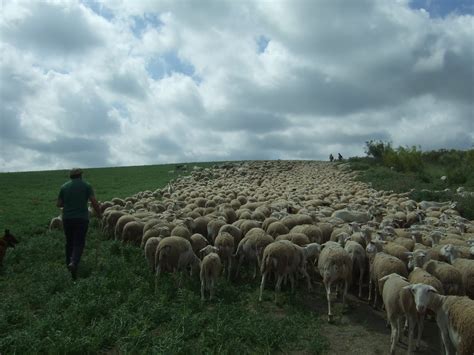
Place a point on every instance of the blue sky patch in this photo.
(167, 64)
(99, 8)
(262, 43)
(141, 23)
(443, 8)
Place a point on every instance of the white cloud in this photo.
(142, 82)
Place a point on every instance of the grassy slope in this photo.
(383, 178)
(113, 305)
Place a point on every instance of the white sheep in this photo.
(464, 266)
(352, 216)
(382, 264)
(449, 276)
(150, 250)
(174, 254)
(211, 268)
(224, 242)
(454, 316)
(359, 260)
(285, 258)
(398, 302)
(251, 248)
(335, 265)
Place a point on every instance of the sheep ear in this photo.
(384, 278)
(432, 289)
(408, 287)
(409, 254)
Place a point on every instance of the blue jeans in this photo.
(75, 230)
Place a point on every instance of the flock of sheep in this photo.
(289, 220)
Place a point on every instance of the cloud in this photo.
(143, 82)
(52, 29)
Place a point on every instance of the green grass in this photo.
(429, 178)
(113, 305)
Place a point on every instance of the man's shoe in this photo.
(73, 269)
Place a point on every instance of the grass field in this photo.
(426, 183)
(113, 307)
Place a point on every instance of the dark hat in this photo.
(75, 172)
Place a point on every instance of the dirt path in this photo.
(362, 330)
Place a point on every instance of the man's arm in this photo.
(60, 203)
(96, 206)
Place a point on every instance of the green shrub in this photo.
(377, 149)
(457, 176)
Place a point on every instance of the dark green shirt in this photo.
(75, 194)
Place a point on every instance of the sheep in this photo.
(398, 302)
(266, 223)
(181, 231)
(56, 223)
(285, 258)
(200, 225)
(213, 228)
(464, 266)
(211, 268)
(277, 228)
(420, 276)
(121, 222)
(233, 231)
(313, 232)
(251, 247)
(174, 254)
(450, 277)
(110, 222)
(150, 250)
(225, 244)
(335, 265)
(454, 317)
(417, 258)
(352, 216)
(359, 260)
(198, 242)
(409, 244)
(133, 232)
(296, 219)
(8, 240)
(382, 265)
(396, 250)
(297, 238)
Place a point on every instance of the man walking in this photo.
(73, 198)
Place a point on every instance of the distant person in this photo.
(73, 198)
(339, 156)
(331, 158)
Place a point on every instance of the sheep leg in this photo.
(278, 286)
(262, 285)
(421, 319)
(328, 296)
(393, 335)
(239, 264)
(229, 267)
(308, 279)
(411, 331)
(157, 276)
(212, 290)
(376, 289)
(370, 290)
(361, 280)
(346, 288)
(203, 287)
(292, 282)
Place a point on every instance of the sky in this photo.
(137, 82)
